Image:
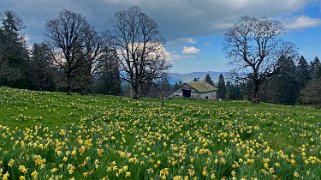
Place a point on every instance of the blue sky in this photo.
(193, 29)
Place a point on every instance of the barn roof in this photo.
(201, 86)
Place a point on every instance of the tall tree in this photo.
(303, 72)
(228, 87)
(93, 48)
(65, 35)
(254, 46)
(41, 68)
(283, 87)
(140, 48)
(14, 54)
(107, 75)
(209, 80)
(221, 88)
(244, 93)
(315, 68)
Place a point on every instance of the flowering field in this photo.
(51, 135)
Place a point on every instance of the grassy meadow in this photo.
(55, 136)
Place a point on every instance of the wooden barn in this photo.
(200, 90)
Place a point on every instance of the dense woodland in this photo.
(74, 57)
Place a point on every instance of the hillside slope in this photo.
(52, 135)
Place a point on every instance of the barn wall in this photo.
(209, 95)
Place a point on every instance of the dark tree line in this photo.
(76, 58)
(297, 82)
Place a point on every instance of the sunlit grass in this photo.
(52, 135)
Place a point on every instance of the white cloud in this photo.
(179, 42)
(190, 50)
(189, 40)
(303, 22)
(174, 56)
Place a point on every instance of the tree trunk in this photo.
(256, 95)
(68, 84)
(135, 93)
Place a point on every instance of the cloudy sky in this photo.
(193, 29)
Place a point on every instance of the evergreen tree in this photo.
(221, 89)
(209, 80)
(283, 88)
(315, 68)
(311, 93)
(14, 54)
(108, 78)
(41, 69)
(228, 90)
(244, 94)
(303, 72)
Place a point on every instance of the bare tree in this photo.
(140, 48)
(91, 53)
(65, 35)
(254, 47)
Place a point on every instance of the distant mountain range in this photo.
(176, 77)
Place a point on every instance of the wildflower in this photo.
(127, 174)
(34, 174)
(6, 176)
(71, 168)
(204, 173)
(164, 172)
(85, 174)
(22, 178)
(23, 169)
(296, 174)
(125, 168)
(213, 176)
(191, 172)
(10, 163)
(54, 170)
(100, 152)
(266, 165)
(293, 162)
(64, 159)
(73, 152)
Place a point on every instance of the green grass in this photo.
(112, 137)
